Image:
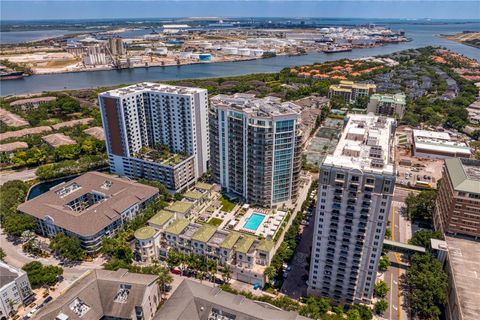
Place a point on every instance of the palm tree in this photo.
(192, 261)
(163, 280)
(200, 276)
(226, 273)
(270, 273)
(212, 268)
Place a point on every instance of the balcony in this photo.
(351, 202)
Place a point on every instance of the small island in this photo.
(469, 38)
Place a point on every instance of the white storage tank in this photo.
(244, 51)
(230, 50)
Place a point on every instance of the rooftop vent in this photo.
(107, 184)
(122, 294)
(79, 307)
(377, 163)
(65, 191)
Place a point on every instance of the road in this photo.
(295, 285)
(17, 258)
(401, 231)
(23, 175)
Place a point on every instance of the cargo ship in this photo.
(13, 75)
(337, 49)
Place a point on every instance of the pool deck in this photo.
(269, 225)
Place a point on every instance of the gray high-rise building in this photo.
(255, 148)
(355, 191)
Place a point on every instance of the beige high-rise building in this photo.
(355, 192)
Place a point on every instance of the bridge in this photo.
(402, 247)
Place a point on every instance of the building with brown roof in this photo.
(457, 210)
(89, 207)
(196, 301)
(106, 294)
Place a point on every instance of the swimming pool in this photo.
(254, 221)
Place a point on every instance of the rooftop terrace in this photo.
(144, 233)
(245, 243)
(162, 156)
(204, 186)
(365, 144)
(230, 240)
(180, 207)
(260, 107)
(177, 226)
(145, 87)
(205, 232)
(193, 195)
(161, 217)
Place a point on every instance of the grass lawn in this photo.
(227, 205)
(215, 222)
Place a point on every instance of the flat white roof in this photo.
(358, 123)
(431, 134)
(152, 87)
(447, 148)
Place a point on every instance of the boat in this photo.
(13, 75)
(337, 49)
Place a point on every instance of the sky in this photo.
(98, 9)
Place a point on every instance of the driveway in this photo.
(295, 285)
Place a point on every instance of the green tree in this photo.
(40, 275)
(364, 311)
(381, 289)
(15, 224)
(226, 273)
(427, 285)
(422, 205)
(67, 152)
(361, 102)
(384, 263)
(422, 237)
(380, 306)
(164, 280)
(68, 248)
(12, 193)
(315, 308)
(2, 254)
(353, 314)
(270, 272)
(338, 102)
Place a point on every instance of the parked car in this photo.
(32, 312)
(176, 271)
(47, 300)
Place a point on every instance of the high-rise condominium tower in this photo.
(255, 148)
(157, 132)
(354, 196)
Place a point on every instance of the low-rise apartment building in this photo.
(103, 294)
(351, 91)
(195, 301)
(390, 105)
(15, 289)
(90, 207)
(244, 253)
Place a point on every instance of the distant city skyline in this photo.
(72, 9)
